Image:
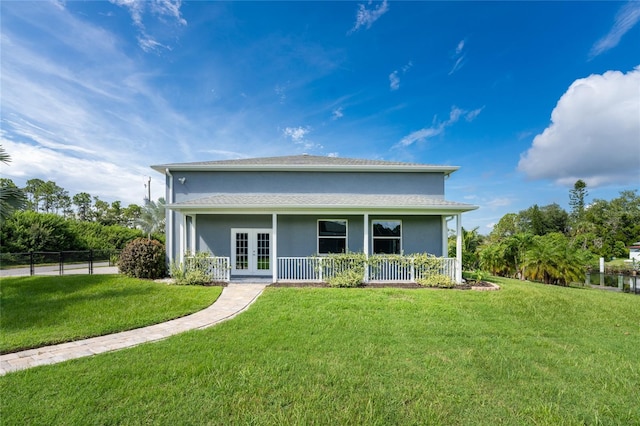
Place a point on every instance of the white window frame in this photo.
(373, 236)
(318, 236)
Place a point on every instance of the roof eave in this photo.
(162, 168)
(204, 208)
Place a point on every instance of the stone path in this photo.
(234, 299)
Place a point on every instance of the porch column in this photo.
(445, 237)
(459, 248)
(365, 245)
(274, 250)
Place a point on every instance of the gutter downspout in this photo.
(169, 216)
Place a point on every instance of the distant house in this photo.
(634, 252)
(272, 216)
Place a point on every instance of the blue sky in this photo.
(527, 97)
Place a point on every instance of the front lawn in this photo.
(41, 310)
(528, 354)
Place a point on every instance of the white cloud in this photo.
(99, 178)
(438, 127)
(458, 57)
(297, 134)
(394, 81)
(626, 18)
(594, 133)
(161, 8)
(366, 17)
(394, 77)
(337, 113)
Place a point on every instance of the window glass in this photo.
(386, 228)
(332, 236)
(387, 237)
(332, 228)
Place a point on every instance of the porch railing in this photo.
(393, 269)
(217, 267)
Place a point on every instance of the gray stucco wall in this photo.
(202, 184)
(213, 232)
(297, 234)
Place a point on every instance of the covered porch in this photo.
(287, 237)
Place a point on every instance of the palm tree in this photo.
(541, 260)
(152, 217)
(11, 197)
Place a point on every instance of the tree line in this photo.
(42, 216)
(549, 244)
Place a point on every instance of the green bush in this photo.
(195, 271)
(30, 231)
(436, 280)
(345, 269)
(143, 258)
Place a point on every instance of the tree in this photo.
(130, 215)
(33, 190)
(544, 220)
(552, 260)
(152, 218)
(11, 197)
(577, 199)
(82, 201)
(100, 211)
(471, 241)
(508, 225)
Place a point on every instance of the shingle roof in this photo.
(300, 162)
(320, 201)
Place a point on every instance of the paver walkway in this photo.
(234, 299)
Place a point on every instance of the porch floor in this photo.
(247, 279)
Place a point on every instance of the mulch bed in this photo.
(480, 285)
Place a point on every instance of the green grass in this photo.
(37, 311)
(527, 354)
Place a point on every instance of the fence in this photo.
(623, 281)
(382, 269)
(216, 267)
(55, 263)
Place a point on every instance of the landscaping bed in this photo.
(475, 285)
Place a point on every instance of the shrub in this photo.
(436, 280)
(143, 258)
(195, 271)
(345, 269)
(428, 272)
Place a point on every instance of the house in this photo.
(273, 217)
(634, 252)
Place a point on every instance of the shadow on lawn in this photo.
(29, 302)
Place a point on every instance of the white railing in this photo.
(391, 269)
(217, 267)
(446, 266)
(302, 269)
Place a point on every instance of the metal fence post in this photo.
(61, 260)
(90, 262)
(32, 269)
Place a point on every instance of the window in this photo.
(387, 236)
(332, 236)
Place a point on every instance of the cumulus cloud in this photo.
(626, 18)
(594, 133)
(297, 134)
(438, 127)
(366, 17)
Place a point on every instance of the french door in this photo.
(251, 251)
